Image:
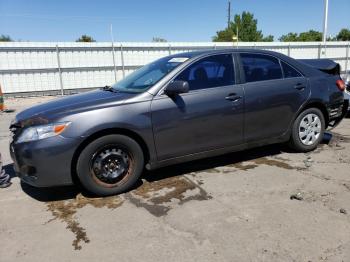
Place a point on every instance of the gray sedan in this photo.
(179, 108)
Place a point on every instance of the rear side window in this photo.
(209, 72)
(289, 71)
(258, 67)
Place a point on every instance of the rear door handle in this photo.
(300, 87)
(233, 97)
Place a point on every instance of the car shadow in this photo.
(48, 194)
(70, 192)
(213, 162)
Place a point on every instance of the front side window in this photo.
(148, 75)
(258, 67)
(209, 72)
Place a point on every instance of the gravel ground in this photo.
(266, 204)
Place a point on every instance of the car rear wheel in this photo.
(110, 165)
(307, 130)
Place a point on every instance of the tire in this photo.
(307, 136)
(110, 165)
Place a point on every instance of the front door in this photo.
(209, 117)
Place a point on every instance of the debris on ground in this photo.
(297, 196)
(7, 111)
(343, 211)
(308, 162)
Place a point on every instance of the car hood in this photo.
(43, 113)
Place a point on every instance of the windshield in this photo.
(148, 75)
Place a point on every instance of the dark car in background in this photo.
(179, 108)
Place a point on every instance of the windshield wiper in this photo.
(109, 88)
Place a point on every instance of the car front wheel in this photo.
(307, 130)
(110, 165)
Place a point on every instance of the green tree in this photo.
(5, 38)
(247, 28)
(85, 38)
(268, 38)
(159, 40)
(309, 36)
(343, 35)
(290, 37)
(224, 35)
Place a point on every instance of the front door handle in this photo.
(300, 87)
(233, 97)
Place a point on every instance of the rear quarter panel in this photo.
(325, 91)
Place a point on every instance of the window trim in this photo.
(242, 75)
(161, 90)
(257, 53)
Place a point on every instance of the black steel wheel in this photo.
(110, 165)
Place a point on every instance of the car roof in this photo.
(304, 68)
(193, 54)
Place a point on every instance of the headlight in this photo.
(40, 132)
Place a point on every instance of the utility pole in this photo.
(229, 14)
(325, 24)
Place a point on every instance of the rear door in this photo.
(209, 117)
(274, 92)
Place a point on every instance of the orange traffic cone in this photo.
(2, 103)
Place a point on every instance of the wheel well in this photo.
(102, 133)
(321, 107)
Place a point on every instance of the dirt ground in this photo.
(265, 204)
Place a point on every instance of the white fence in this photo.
(29, 68)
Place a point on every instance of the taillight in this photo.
(341, 85)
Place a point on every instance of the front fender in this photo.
(135, 117)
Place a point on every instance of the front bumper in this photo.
(46, 162)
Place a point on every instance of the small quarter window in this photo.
(289, 71)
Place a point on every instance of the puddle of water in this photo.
(254, 163)
(273, 162)
(65, 211)
(157, 196)
(242, 166)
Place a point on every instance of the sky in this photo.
(174, 20)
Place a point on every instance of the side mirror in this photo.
(177, 87)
